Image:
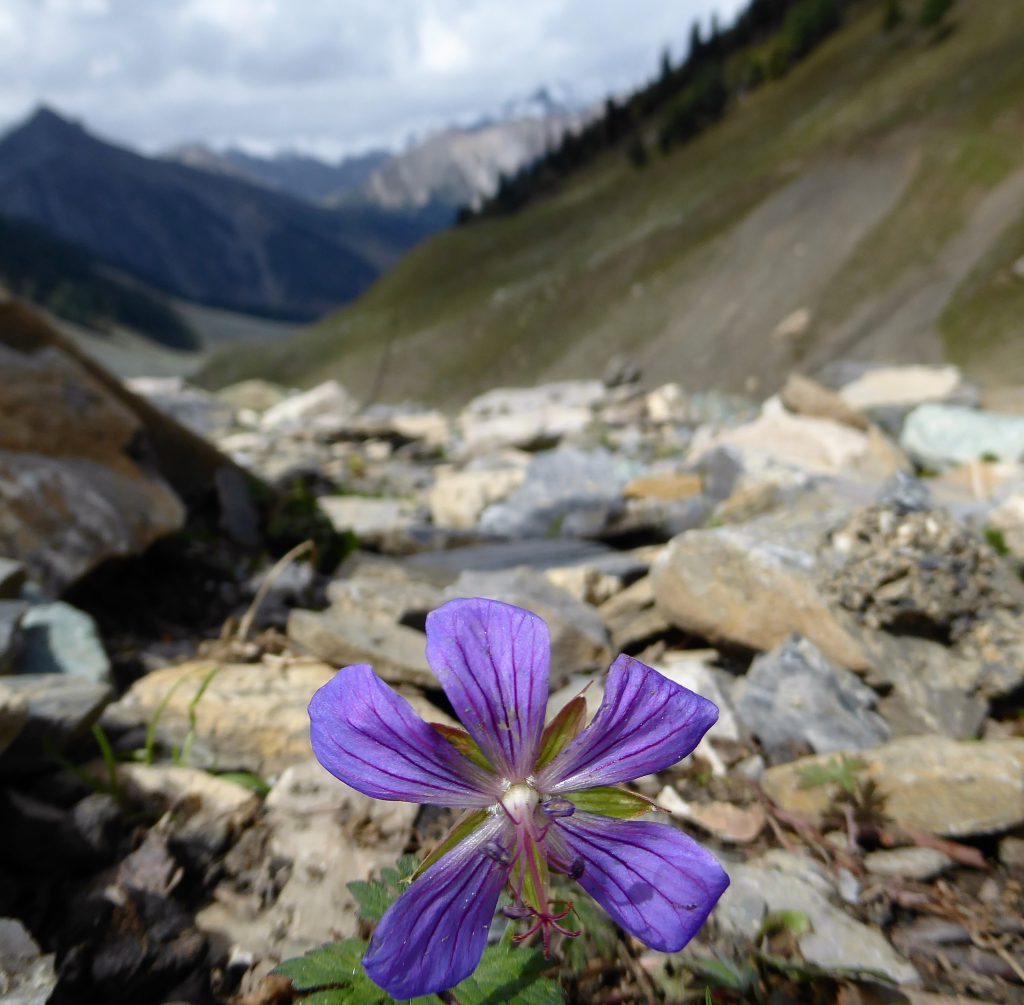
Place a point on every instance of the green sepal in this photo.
(459, 832)
(530, 877)
(561, 729)
(611, 801)
(463, 743)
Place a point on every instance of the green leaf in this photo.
(247, 780)
(463, 743)
(842, 772)
(561, 729)
(459, 832)
(611, 801)
(795, 922)
(376, 896)
(509, 976)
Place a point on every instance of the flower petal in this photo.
(645, 723)
(492, 660)
(368, 735)
(433, 936)
(656, 882)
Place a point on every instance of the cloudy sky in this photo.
(324, 76)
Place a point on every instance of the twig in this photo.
(245, 625)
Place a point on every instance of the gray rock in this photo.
(384, 587)
(539, 553)
(341, 638)
(632, 617)
(941, 436)
(60, 710)
(566, 493)
(325, 410)
(373, 521)
(196, 409)
(912, 863)
(835, 941)
(321, 836)
(579, 640)
(27, 976)
(61, 639)
(12, 636)
(794, 696)
(12, 578)
(905, 494)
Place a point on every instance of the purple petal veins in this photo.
(369, 737)
(492, 661)
(645, 724)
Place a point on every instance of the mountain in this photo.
(869, 204)
(297, 174)
(459, 167)
(206, 237)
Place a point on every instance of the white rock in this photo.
(458, 498)
(901, 385)
(326, 408)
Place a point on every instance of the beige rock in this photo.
(729, 823)
(330, 835)
(370, 519)
(1008, 519)
(397, 653)
(162, 787)
(253, 395)
(930, 783)
(807, 397)
(731, 585)
(458, 498)
(251, 716)
(793, 326)
(901, 385)
(667, 485)
(632, 617)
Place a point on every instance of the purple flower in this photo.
(537, 800)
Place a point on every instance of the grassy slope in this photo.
(689, 263)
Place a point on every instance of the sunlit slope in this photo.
(879, 187)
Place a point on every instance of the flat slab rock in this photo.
(931, 783)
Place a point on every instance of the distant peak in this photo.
(45, 117)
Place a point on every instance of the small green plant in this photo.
(997, 539)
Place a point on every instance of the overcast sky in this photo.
(325, 76)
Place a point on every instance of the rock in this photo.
(373, 521)
(326, 835)
(60, 638)
(12, 578)
(13, 716)
(529, 417)
(71, 493)
(912, 863)
(793, 326)
(540, 554)
(60, 710)
(834, 941)
(458, 498)
(632, 618)
(664, 485)
(751, 585)
(253, 395)
(1008, 519)
(918, 573)
(12, 636)
(729, 823)
(342, 638)
(1011, 852)
(883, 387)
(816, 445)
(27, 976)
(204, 413)
(324, 410)
(579, 640)
(383, 587)
(566, 493)
(691, 669)
(930, 783)
(793, 696)
(941, 436)
(807, 397)
(250, 717)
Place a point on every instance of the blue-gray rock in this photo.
(942, 436)
(794, 696)
(61, 639)
(566, 493)
(12, 614)
(12, 578)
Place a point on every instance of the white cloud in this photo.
(325, 75)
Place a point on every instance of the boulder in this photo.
(793, 696)
(60, 638)
(71, 492)
(930, 783)
(752, 585)
(325, 410)
(942, 436)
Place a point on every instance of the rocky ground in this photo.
(838, 567)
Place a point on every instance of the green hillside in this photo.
(877, 189)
